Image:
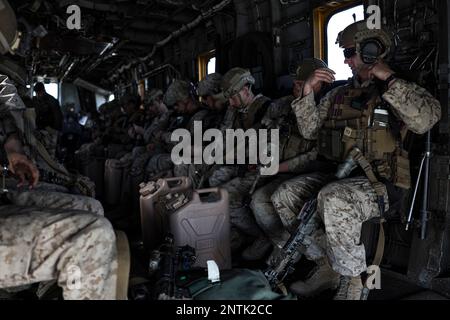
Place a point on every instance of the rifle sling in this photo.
(379, 190)
(123, 265)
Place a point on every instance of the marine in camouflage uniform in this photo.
(221, 117)
(297, 155)
(51, 171)
(182, 96)
(345, 204)
(77, 248)
(156, 118)
(250, 111)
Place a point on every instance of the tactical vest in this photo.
(292, 143)
(254, 114)
(358, 118)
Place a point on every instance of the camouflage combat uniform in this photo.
(239, 187)
(297, 152)
(47, 195)
(45, 244)
(344, 205)
(54, 239)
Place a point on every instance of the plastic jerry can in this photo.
(94, 169)
(113, 181)
(154, 222)
(204, 224)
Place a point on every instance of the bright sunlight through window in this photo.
(337, 23)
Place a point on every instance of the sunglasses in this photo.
(349, 52)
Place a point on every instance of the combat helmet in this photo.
(179, 90)
(210, 85)
(307, 67)
(151, 95)
(234, 80)
(8, 28)
(372, 44)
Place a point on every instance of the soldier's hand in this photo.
(24, 169)
(380, 70)
(320, 75)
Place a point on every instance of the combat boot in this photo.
(257, 250)
(321, 278)
(350, 288)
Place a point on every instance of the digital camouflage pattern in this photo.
(49, 195)
(179, 90)
(210, 85)
(234, 80)
(415, 106)
(46, 244)
(290, 196)
(48, 241)
(240, 214)
(344, 205)
(266, 217)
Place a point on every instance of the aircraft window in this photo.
(211, 65)
(52, 89)
(99, 99)
(206, 64)
(337, 23)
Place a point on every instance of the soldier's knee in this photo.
(329, 193)
(257, 203)
(103, 231)
(333, 202)
(281, 193)
(96, 207)
(259, 196)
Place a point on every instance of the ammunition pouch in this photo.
(402, 175)
(330, 145)
(293, 145)
(356, 122)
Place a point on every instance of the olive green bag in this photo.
(236, 284)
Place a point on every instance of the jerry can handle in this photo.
(220, 191)
(184, 183)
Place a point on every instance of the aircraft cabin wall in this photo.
(270, 37)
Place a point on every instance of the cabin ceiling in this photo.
(112, 34)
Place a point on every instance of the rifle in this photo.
(283, 264)
(169, 260)
(82, 184)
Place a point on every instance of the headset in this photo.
(371, 50)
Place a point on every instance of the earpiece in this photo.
(371, 50)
